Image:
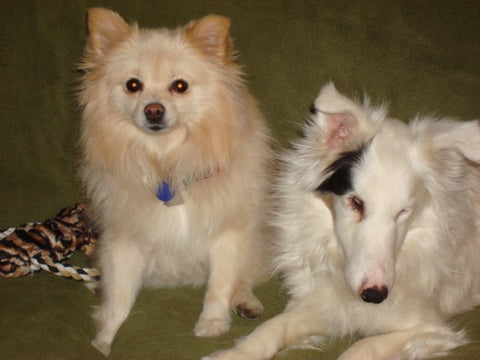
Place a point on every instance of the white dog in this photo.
(378, 234)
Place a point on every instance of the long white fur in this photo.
(418, 235)
(215, 132)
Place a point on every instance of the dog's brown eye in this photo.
(133, 85)
(179, 86)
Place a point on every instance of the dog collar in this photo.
(165, 194)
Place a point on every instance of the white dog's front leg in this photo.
(121, 281)
(286, 329)
(414, 344)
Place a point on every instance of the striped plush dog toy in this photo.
(48, 245)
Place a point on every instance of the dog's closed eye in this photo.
(357, 205)
(403, 213)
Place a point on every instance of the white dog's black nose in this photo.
(154, 113)
(374, 294)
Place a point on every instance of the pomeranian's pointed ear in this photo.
(105, 27)
(211, 35)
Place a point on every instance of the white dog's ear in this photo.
(338, 129)
(465, 137)
(105, 27)
(211, 35)
(344, 123)
(447, 135)
(332, 113)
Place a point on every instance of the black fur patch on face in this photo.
(340, 180)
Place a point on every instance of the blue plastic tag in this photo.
(164, 192)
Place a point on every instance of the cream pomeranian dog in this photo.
(378, 234)
(175, 152)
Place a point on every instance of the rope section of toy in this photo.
(65, 270)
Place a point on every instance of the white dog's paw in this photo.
(211, 327)
(101, 346)
(362, 350)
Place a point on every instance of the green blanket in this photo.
(418, 56)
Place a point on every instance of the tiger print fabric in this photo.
(53, 241)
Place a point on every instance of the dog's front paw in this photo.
(247, 306)
(366, 349)
(249, 311)
(211, 327)
(101, 346)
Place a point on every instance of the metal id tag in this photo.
(167, 196)
(176, 200)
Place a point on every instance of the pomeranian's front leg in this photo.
(284, 330)
(230, 284)
(122, 268)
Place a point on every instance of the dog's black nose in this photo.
(374, 294)
(154, 113)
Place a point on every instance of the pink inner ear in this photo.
(339, 127)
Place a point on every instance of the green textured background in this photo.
(417, 56)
